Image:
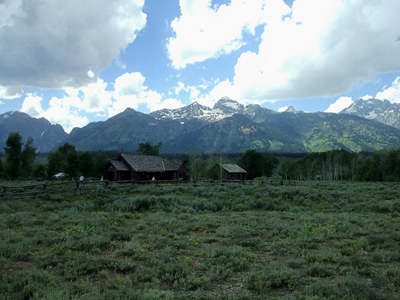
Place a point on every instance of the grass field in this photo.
(315, 240)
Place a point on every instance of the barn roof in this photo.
(232, 168)
(147, 163)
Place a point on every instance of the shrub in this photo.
(263, 279)
(319, 270)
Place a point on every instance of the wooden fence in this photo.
(78, 186)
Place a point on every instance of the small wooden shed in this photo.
(230, 172)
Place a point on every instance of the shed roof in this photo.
(232, 168)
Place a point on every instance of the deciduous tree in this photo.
(148, 149)
(28, 156)
(253, 162)
(99, 162)
(55, 163)
(86, 164)
(258, 164)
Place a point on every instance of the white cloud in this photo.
(203, 31)
(130, 91)
(283, 108)
(10, 92)
(72, 110)
(97, 98)
(32, 105)
(62, 112)
(391, 93)
(366, 97)
(340, 104)
(169, 103)
(320, 49)
(179, 88)
(53, 44)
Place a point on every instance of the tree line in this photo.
(381, 165)
(20, 161)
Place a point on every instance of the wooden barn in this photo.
(230, 172)
(144, 167)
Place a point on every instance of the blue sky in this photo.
(78, 61)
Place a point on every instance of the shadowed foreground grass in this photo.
(316, 240)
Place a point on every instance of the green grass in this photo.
(316, 240)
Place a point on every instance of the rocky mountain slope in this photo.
(127, 129)
(45, 135)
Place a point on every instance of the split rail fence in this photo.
(78, 186)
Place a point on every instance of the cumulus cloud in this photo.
(97, 98)
(340, 104)
(391, 93)
(72, 110)
(54, 44)
(32, 105)
(66, 111)
(130, 91)
(204, 31)
(319, 49)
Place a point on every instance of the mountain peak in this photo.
(375, 109)
(290, 109)
(228, 106)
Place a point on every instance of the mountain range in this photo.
(367, 125)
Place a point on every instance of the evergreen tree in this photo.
(13, 152)
(1, 169)
(39, 171)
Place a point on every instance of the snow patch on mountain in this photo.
(374, 109)
(224, 108)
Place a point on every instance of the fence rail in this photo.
(62, 186)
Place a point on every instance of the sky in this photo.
(75, 62)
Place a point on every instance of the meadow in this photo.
(314, 240)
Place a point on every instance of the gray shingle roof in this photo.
(119, 165)
(232, 168)
(173, 164)
(147, 163)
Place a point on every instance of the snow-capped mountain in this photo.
(224, 108)
(291, 109)
(375, 109)
(194, 110)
